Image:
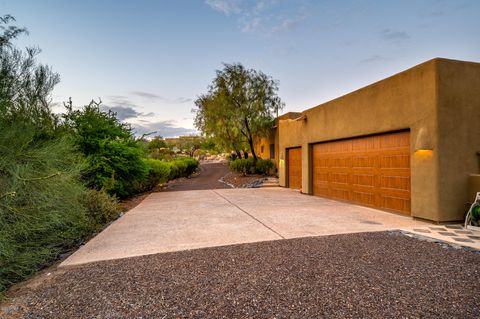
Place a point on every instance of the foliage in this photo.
(45, 208)
(25, 85)
(239, 107)
(100, 207)
(158, 172)
(156, 143)
(114, 157)
(250, 166)
(208, 144)
(40, 214)
(185, 144)
(182, 167)
(265, 167)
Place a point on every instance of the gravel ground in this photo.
(240, 181)
(367, 275)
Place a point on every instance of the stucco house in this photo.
(406, 144)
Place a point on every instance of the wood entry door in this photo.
(295, 167)
(372, 171)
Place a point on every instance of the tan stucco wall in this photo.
(272, 138)
(473, 186)
(264, 143)
(459, 134)
(404, 101)
(438, 101)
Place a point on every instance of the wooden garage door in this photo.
(295, 168)
(372, 171)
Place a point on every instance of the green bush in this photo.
(114, 158)
(158, 172)
(100, 207)
(249, 166)
(40, 212)
(265, 167)
(182, 167)
(45, 209)
(243, 166)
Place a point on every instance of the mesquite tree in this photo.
(240, 107)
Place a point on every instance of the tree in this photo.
(156, 144)
(25, 85)
(239, 107)
(113, 156)
(213, 118)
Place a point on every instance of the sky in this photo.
(149, 60)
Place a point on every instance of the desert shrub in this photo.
(43, 204)
(243, 166)
(40, 214)
(265, 167)
(177, 169)
(182, 167)
(192, 165)
(249, 166)
(114, 158)
(158, 172)
(100, 207)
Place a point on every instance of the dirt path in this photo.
(209, 174)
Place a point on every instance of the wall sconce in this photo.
(424, 142)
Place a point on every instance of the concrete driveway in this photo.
(172, 221)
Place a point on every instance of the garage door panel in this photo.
(373, 170)
(339, 193)
(363, 161)
(399, 183)
(395, 161)
(395, 203)
(295, 168)
(321, 190)
(366, 198)
(364, 144)
(340, 178)
(365, 179)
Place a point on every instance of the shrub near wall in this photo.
(248, 166)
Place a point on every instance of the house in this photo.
(267, 147)
(406, 144)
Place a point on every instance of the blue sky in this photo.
(149, 60)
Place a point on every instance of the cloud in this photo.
(144, 123)
(265, 16)
(394, 35)
(437, 12)
(124, 112)
(163, 128)
(146, 95)
(227, 7)
(120, 100)
(154, 97)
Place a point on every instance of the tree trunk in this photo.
(250, 140)
(245, 154)
(252, 148)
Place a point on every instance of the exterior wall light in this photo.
(423, 143)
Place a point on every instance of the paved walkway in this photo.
(209, 173)
(174, 221)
